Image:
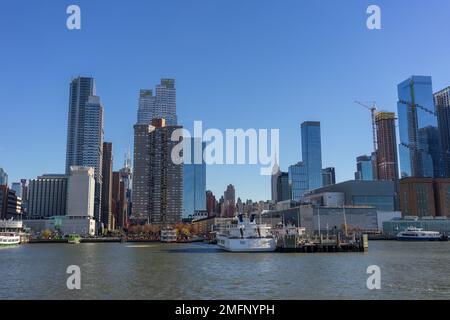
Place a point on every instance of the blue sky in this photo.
(238, 64)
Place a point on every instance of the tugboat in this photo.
(245, 235)
(417, 234)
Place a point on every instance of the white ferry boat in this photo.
(417, 234)
(9, 239)
(245, 235)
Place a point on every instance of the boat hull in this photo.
(247, 244)
(420, 239)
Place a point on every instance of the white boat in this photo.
(9, 239)
(245, 235)
(417, 234)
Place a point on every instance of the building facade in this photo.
(328, 176)
(10, 204)
(312, 153)
(419, 147)
(107, 217)
(364, 168)
(81, 89)
(211, 203)
(81, 192)
(298, 181)
(442, 104)
(229, 205)
(158, 180)
(425, 197)
(378, 194)
(3, 177)
(47, 196)
(194, 177)
(160, 106)
(85, 133)
(387, 159)
(119, 203)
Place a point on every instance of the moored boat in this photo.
(74, 238)
(418, 234)
(245, 235)
(9, 239)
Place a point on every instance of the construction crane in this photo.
(373, 109)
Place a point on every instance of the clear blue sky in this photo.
(247, 63)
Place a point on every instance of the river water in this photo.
(200, 271)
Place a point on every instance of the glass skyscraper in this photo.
(364, 168)
(162, 105)
(194, 177)
(442, 103)
(312, 153)
(419, 136)
(85, 133)
(298, 181)
(3, 177)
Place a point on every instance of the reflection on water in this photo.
(201, 271)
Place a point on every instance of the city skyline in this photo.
(207, 100)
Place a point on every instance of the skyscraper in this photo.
(312, 153)
(211, 203)
(81, 89)
(3, 177)
(298, 181)
(419, 147)
(85, 133)
(442, 103)
(107, 166)
(119, 200)
(229, 197)
(387, 160)
(194, 177)
(17, 187)
(126, 178)
(364, 168)
(280, 186)
(158, 180)
(328, 176)
(162, 105)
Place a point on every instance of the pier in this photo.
(294, 243)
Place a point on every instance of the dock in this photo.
(294, 243)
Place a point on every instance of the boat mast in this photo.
(345, 221)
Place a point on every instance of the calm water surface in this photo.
(200, 271)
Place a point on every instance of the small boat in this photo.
(9, 239)
(246, 236)
(418, 234)
(74, 238)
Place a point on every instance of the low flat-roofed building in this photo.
(378, 194)
(313, 218)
